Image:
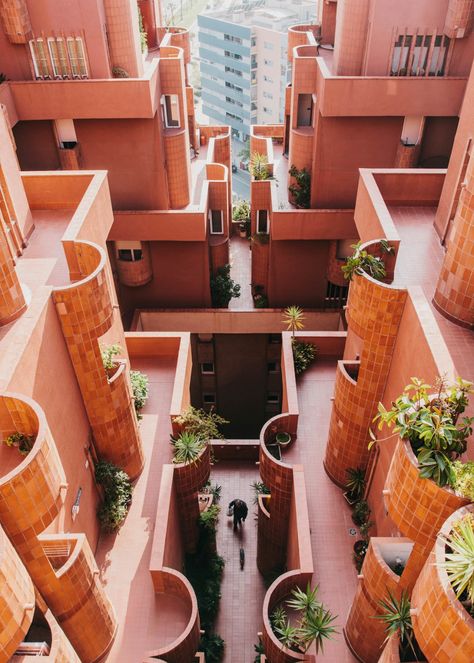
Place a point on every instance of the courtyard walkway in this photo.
(241, 272)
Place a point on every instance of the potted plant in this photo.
(21, 441)
(108, 354)
(459, 560)
(283, 439)
(397, 620)
(301, 191)
(241, 215)
(362, 261)
(259, 167)
(314, 621)
(361, 545)
(360, 513)
(117, 495)
(223, 288)
(431, 423)
(355, 484)
(303, 353)
(187, 448)
(203, 424)
(140, 391)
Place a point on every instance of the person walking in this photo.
(239, 511)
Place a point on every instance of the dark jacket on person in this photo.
(240, 509)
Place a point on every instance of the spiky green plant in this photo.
(356, 482)
(316, 627)
(278, 618)
(187, 447)
(259, 166)
(362, 261)
(287, 635)
(305, 601)
(293, 317)
(459, 561)
(397, 619)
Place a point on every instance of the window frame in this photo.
(211, 218)
(169, 122)
(267, 222)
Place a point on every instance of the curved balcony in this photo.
(85, 307)
(443, 627)
(135, 273)
(12, 300)
(301, 147)
(417, 506)
(31, 486)
(375, 581)
(177, 37)
(219, 251)
(298, 36)
(17, 599)
(85, 310)
(76, 596)
(177, 156)
(391, 652)
(277, 592)
(184, 647)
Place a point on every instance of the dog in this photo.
(242, 558)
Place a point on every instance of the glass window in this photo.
(207, 368)
(40, 58)
(216, 222)
(262, 221)
(75, 49)
(170, 105)
(209, 398)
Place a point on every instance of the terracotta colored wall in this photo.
(12, 300)
(36, 145)
(351, 35)
(172, 263)
(454, 296)
(446, 209)
(373, 144)
(297, 273)
(53, 17)
(437, 142)
(123, 36)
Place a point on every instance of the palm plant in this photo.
(316, 627)
(305, 601)
(287, 634)
(278, 618)
(355, 483)
(259, 166)
(397, 620)
(459, 562)
(187, 447)
(293, 318)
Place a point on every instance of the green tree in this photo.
(223, 288)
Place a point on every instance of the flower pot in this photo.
(283, 439)
(360, 548)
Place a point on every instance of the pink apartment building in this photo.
(111, 211)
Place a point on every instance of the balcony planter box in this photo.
(283, 439)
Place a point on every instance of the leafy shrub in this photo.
(301, 191)
(223, 288)
(117, 495)
(204, 572)
(213, 647)
(108, 352)
(140, 390)
(143, 33)
(187, 447)
(431, 424)
(259, 166)
(464, 478)
(214, 490)
(360, 513)
(22, 441)
(208, 519)
(259, 488)
(241, 210)
(362, 261)
(303, 355)
(204, 425)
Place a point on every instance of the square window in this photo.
(216, 222)
(273, 398)
(273, 367)
(207, 368)
(209, 399)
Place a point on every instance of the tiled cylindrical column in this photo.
(123, 36)
(373, 314)
(17, 599)
(454, 296)
(407, 155)
(459, 19)
(15, 20)
(189, 478)
(12, 300)
(443, 627)
(351, 35)
(85, 311)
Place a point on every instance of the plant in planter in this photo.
(108, 353)
(301, 191)
(214, 490)
(212, 645)
(259, 651)
(143, 33)
(223, 288)
(260, 299)
(463, 478)
(459, 560)
(241, 214)
(314, 621)
(117, 495)
(361, 545)
(208, 519)
(362, 261)
(397, 620)
(259, 166)
(140, 391)
(187, 447)
(283, 439)
(355, 484)
(293, 317)
(303, 353)
(430, 422)
(259, 488)
(360, 513)
(203, 424)
(21, 441)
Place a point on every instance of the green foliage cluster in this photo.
(463, 478)
(21, 441)
(303, 355)
(140, 390)
(213, 647)
(214, 490)
(397, 620)
(187, 447)
(356, 482)
(208, 519)
(259, 166)
(143, 34)
(362, 261)
(223, 288)
(301, 191)
(241, 210)
(205, 425)
(117, 495)
(259, 488)
(432, 426)
(459, 560)
(108, 352)
(314, 621)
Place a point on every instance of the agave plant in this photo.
(278, 618)
(187, 447)
(293, 318)
(316, 627)
(305, 601)
(259, 166)
(356, 482)
(397, 620)
(287, 634)
(459, 562)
